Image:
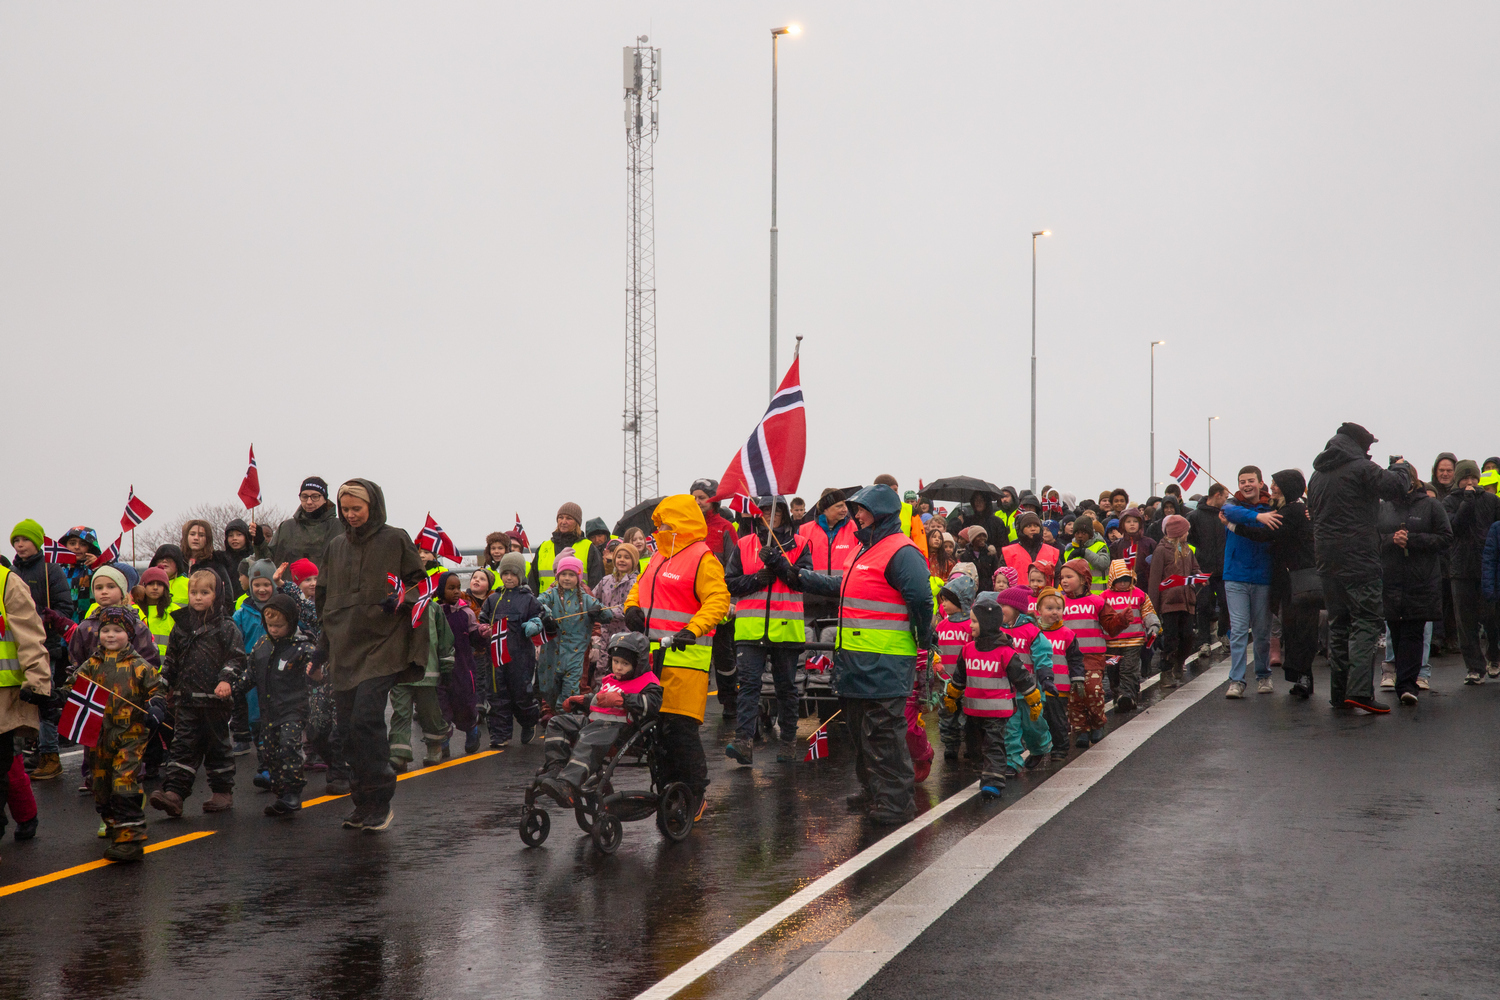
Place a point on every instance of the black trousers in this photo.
(1211, 603)
(682, 752)
(726, 668)
(1407, 637)
(201, 737)
(366, 744)
(1299, 638)
(511, 689)
(1176, 640)
(882, 760)
(753, 660)
(1472, 611)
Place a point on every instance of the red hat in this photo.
(155, 575)
(302, 569)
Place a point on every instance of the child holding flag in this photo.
(560, 667)
(510, 617)
(1171, 590)
(135, 697)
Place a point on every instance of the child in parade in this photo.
(1141, 625)
(280, 664)
(559, 669)
(1067, 667)
(1090, 619)
(1035, 653)
(514, 612)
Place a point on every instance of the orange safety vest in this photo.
(667, 593)
(1018, 559)
(830, 555)
(872, 614)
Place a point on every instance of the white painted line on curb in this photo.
(715, 956)
(849, 961)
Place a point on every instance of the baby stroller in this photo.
(598, 807)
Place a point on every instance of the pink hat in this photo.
(568, 562)
(154, 575)
(1176, 526)
(1015, 597)
(1010, 575)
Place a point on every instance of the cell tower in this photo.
(642, 83)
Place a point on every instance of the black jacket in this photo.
(516, 607)
(204, 649)
(278, 669)
(1412, 578)
(49, 589)
(1470, 515)
(1345, 495)
(1206, 535)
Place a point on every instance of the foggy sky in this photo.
(388, 240)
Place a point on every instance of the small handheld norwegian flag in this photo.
(110, 554)
(136, 511)
(426, 590)
(820, 663)
(435, 540)
(1199, 579)
(52, 552)
(499, 649)
(525, 542)
(396, 585)
(817, 746)
(250, 487)
(83, 715)
(1186, 470)
(744, 506)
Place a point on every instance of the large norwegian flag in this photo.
(250, 487)
(83, 715)
(435, 540)
(771, 460)
(136, 511)
(1186, 470)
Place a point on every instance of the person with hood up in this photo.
(26, 682)
(1088, 544)
(1007, 508)
(1345, 494)
(83, 542)
(237, 547)
(911, 523)
(1171, 592)
(768, 629)
(885, 617)
(170, 560)
(597, 532)
(279, 664)
(1293, 572)
(1471, 509)
(987, 677)
(678, 602)
(831, 544)
(1443, 483)
(1141, 625)
(982, 513)
(306, 533)
(511, 617)
(1134, 546)
(247, 618)
(368, 641)
(953, 631)
(1030, 549)
(1414, 534)
(721, 540)
(50, 592)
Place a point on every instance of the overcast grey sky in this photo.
(288, 223)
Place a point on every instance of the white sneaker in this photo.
(1236, 690)
(1263, 686)
(1422, 683)
(1388, 682)
(1494, 668)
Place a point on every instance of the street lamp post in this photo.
(1211, 446)
(1151, 485)
(1040, 232)
(776, 33)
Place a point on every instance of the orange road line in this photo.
(412, 774)
(6, 890)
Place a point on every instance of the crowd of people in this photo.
(1011, 617)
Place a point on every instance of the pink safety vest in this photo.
(598, 713)
(1081, 615)
(1027, 635)
(987, 690)
(952, 637)
(1129, 602)
(1060, 637)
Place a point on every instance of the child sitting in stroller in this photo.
(576, 745)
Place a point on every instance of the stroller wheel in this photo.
(674, 814)
(607, 832)
(584, 817)
(535, 826)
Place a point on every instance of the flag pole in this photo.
(824, 726)
(132, 534)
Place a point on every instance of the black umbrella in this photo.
(960, 489)
(638, 516)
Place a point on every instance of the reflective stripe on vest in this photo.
(1060, 637)
(781, 620)
(872, 613)
(160, 626)
(987, 690)
(1081, 615)
(951, 637)
(11, 674)
(546, 555)
(1129, 602)
(1027, 634)
(831, 555)
(667, 593)
(599, 713)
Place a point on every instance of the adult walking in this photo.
(1471, 510)
(1414, 535)
(25, 672)
(306, 533)
(831, 545)
(885, 616)
(50, 591)
(1296, 593)
(1345, 494)
(1207, 535)
(368, 641)
(721, 540)
(678, 601)
(1247, 579)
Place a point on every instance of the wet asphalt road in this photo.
(450, 902)
(1263, 848)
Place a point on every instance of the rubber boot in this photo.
(1275, 650)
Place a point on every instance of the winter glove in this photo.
(635, 620)
(319, 657)
(683, 639)
(157, 708)
(57, 621)
(610, 698)
(1152, 631)
(33, 698)
(533, 627)
(951, 696)
(550, 628)
(576, 703)
(768, 553)
(390, 604)
(764, 576)
(1034, 702)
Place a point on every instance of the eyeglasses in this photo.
(310, 496)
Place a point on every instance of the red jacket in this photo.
(717, 542)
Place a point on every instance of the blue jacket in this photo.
(861, 674)
(1489, 568)
(1246, 558)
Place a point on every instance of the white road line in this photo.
(849, 961)
(720, 952)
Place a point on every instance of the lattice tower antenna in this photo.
(642, 83)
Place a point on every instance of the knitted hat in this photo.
(155, 574)
(910, 496)
(571, 509)
(29, 530)
(829, 498)
(1009, 575)
(110, 573)
(566, 563)
(1015, 597)
(1465, 469)
(262, 569)
(315, 483)
(1046, 592)
(1357, 434)
(1175, 526)
(119, 616)
(302, 569)
(635, 553)
(1024, 518)
(513, 562)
